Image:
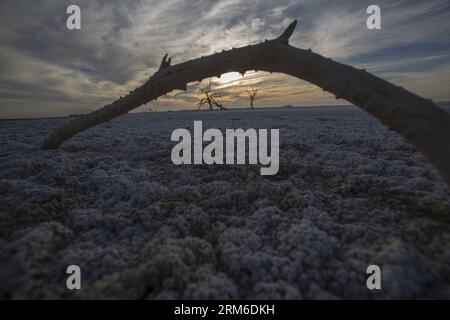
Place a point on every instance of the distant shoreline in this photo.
(284, 107)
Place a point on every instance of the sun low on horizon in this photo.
(228, 78)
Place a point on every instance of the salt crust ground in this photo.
(349, 193)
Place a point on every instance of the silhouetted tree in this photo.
(210, 99)
(252, 96)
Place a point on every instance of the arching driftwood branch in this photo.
(418, 120)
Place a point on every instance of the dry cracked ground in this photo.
(349, 193)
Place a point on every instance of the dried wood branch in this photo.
(417, 119)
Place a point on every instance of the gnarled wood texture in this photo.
(418, 120)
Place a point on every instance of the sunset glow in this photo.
(226, 78)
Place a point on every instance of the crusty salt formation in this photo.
(349, 194)
(419, 120)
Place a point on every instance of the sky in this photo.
(47, 70)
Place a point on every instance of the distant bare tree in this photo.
(252, 96)
(210, 99)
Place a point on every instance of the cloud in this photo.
(432, 84)
(46, 69)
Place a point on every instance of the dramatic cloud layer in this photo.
(47, 70)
